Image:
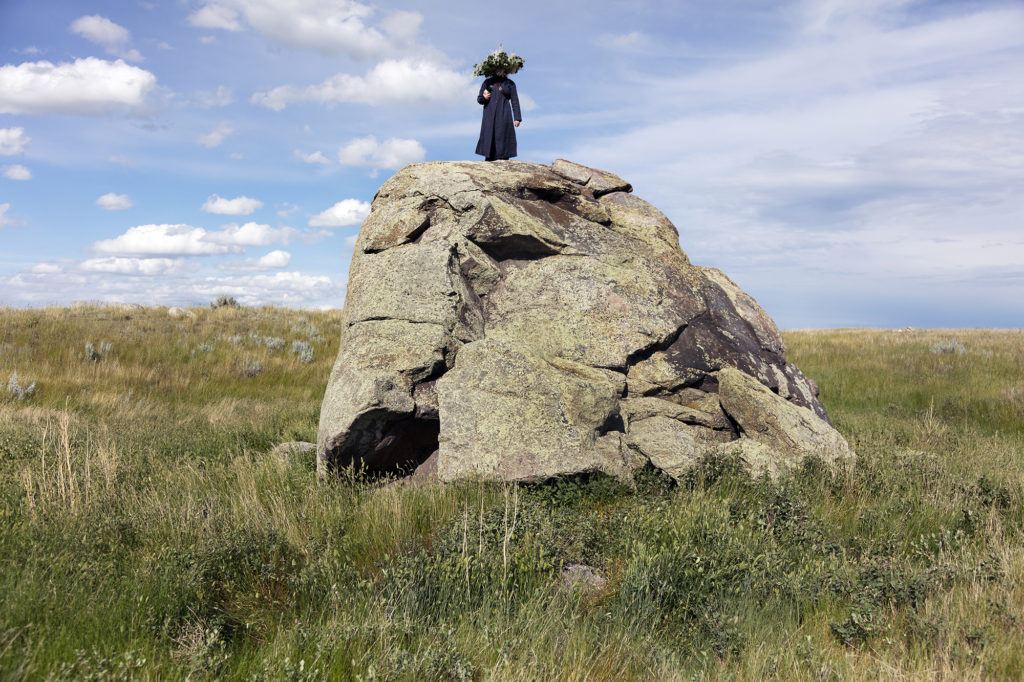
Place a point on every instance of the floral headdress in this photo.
(499, 63)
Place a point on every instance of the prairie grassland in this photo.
(148, 531)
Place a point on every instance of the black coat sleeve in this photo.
(514, 96)
(480, 96)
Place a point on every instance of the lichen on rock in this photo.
(516, 321)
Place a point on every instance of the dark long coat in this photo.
(497, 132)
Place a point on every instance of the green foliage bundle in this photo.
(499, 63)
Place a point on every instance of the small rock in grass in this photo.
(582, 578)
(294, 447)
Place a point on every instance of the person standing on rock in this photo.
(501, 106)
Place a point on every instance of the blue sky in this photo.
(847, 162)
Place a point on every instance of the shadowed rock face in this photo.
(516, 321)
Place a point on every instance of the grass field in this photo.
(148, 531)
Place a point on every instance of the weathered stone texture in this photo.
(515, 321)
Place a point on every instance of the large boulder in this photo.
(516, 321)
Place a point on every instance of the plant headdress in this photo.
(499, 63)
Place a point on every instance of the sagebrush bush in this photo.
(99, 352)
(303, 350)
(16, 390)
(224, 301)
(271, 343)
(252, 368)
(951, 346)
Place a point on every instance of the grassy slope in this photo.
(145, 531)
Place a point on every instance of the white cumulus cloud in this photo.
(251, 234)
(45, 268)
(103, 31)
(275, 259)
(216, 137)
(327, 26)
(17, 172)
(366, 152)
(314, 157)
(138, 266)
(114, 202)
(172, 287)
(236, 206)
(87, 86)
(13, 141)
(343, 213)
(405, 82)
(280, 288)
(163, 240)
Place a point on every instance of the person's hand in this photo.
(487, 94)
(516, 123)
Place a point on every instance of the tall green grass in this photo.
(148, 530)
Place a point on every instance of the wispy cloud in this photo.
(236, 206)
(621, 41)
(859, 149)
(114, 202)
(103, 31)
(221, 97)
(313, 157)
(216, 137)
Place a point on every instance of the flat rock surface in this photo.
(517, 321)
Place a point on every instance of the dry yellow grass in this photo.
(147, 531)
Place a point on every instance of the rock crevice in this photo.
(516, 321)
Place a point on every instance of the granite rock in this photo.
(516, 321)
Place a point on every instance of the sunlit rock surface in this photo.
(517, 321)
